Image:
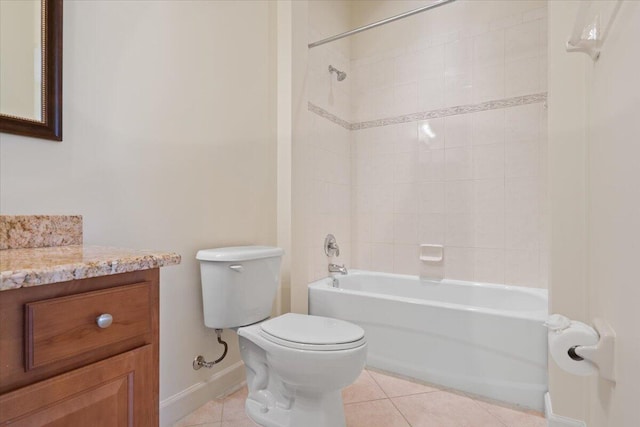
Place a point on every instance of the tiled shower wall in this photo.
(327, 150)
(435, 161)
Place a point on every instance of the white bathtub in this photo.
(480, 338)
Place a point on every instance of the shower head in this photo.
(341, 75)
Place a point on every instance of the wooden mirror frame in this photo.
(51, 125)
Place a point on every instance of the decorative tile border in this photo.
(327, 115)
(37, 231)
(433, 114)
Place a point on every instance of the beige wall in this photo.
(595, 204)
(567, 196)
(169, 143)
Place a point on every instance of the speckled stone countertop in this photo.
(40, 266)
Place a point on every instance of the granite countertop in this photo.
(45, 265)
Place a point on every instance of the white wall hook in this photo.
(601, 354)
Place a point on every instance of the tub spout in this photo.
(335, 268)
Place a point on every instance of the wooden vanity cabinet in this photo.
(58, 367)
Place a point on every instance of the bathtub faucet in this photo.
(335, 268)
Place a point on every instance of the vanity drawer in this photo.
(61, 328)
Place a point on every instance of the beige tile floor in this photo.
(381, 400)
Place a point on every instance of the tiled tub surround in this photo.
(377, 399)
(448, 146)
(37, 231)
(41, 266)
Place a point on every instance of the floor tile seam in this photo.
(365, 401)
(378, 384)
(400, 412)
(477, 403)
(416, 393)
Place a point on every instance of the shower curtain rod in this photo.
(379, 23)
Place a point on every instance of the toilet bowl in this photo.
(296, 364)
(296, 367)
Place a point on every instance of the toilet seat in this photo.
(317, 333)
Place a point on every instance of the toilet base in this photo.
(307, 409)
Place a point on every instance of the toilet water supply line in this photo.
(199, 361)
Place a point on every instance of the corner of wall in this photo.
(221, 383)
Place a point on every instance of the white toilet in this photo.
(296, 364)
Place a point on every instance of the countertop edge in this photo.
(130, 260)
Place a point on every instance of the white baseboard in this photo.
(188, 400)
(554, 420)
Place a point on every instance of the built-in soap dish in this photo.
(431, 253)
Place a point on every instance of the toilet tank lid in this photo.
(239, 253)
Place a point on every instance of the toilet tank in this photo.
(239, 284)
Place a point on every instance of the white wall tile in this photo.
(522, 195)
(382, 228)
(522, 123)
(457, 89)
(489, 229)
(458, 56)
(362, 259)
(431, 93)
(522, 230)
(406, 167)
(489, 195)
(406, 259)
(382, 198)
(534, 14)
(457, 131)
(382, 167)
(458, 163)
(522, 41)
(488, 83)
(431, 164)
(406, 198)
(433, 62)
(406, 139)
(432, 229)
(522, 268)
(431, 197)
(489, 265)
(488, 127)
(488, 49)
(522, 159)
(459, 197)
(470, 181)
(459, 263)
(460, 230)
(431, 134)
(382, 257)
(362, 227)
(405, 98)
(522, 76)
(405, 228)
(488, 161)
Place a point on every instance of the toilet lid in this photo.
(313, 332)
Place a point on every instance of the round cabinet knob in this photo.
(104, 320)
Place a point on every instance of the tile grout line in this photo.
(389, 398)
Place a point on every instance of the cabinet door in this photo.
(115, 392)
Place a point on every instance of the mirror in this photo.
(31, 68)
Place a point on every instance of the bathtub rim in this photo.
(324, 285)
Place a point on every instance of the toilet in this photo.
(296, 364)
